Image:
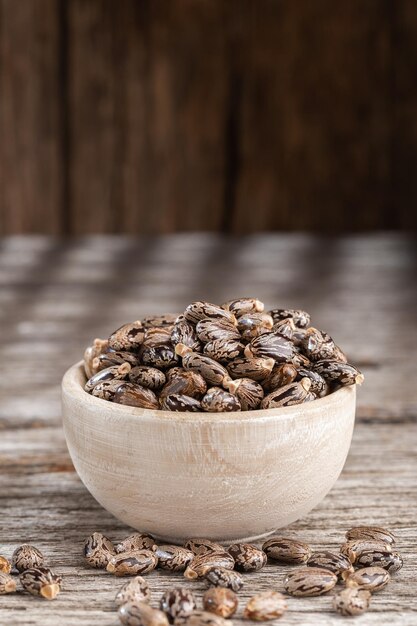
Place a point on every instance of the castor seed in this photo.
(270, 345)
(92, 352)
(213, 373)
(202, 546)
(373, 533)
(177, 602)
(131, 394)
(391, 561)
(173, 558)
(248, 558)
(299, 317)
(248, 392)
(5, 565)
(223, 350)
(135, 590)
(220, 601)
(159, 321)
(114, 358)
(337, 563)
(295, 393)
(281, 375)
(352, 601)
(256, 368)
(201, 618)
(370, 578)
(185, 382)
(197, 311)
(222, 577)
(286, 550)
(309, 581)
(354, 548)
(7, 583)
(135, 541)
(162, 356)
(41, 581)
(141, 614)
(265, 606)
(132, 562)
(180, 402)
(115, 372)
(217, 400)
(148, 377)
(26, 557)
(98, 550)
(241, 306)
(203, 562)
(339, 373)
(318, 345)
(209, 330)
(184, 332)
(128, 337)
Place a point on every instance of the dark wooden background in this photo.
(147, 116)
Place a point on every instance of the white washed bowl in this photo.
(225, 476)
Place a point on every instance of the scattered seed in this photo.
(202, 546)
(7, 583)
(41, 581)
(353, 549)
(135, 590)
(141, 614)
(177, 602)
(336, 563)
(201, 618)
(352, 601)
(370, 578)
(203, 562)
(218, 400)
(98, 550)
(220, 601)
(265, 606)
(5, 565)
(287, 550)
(374, 533)
(26, 557)
(136, 541)
(222, 577)
(391, 561)
(173, 558)
(132, 562)
(248, 558)
(309, 581)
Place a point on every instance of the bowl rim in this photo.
(72, 385)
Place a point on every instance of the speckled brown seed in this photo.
(92, 352)
(265, 606)
(248, 558)
(252, 325)
(201, 618)
(130, 394)
(299, 317)
(248, 392)
(209, 330)
(156, 336)
(115, 372)
(309, 581)
(7, 583)
(177, 602)
(391, 561)
(354, 548)
(135, 590)
(241, 306)
(26, 557)
(199, 545)
(203, 562)
(223, 350)
(98, 550)
(295, 393)
(270, 345)
(318, 384)
(286, 328)
(352, 601)
(318, 345)
(184, 332)
(41, 581)
(173, 558)
(180, 402)
(372, 533)
(217, 400)
(220, 601)
(187, 383)
(339, 373)
(213, 373)
(162, 356)
(256, 368)
(108, 359)
(107, 389)
(222, 577)
(148, 377)
(197, 311)
(287, 550)
(135, 541)
(132, 562)
(337, 563)
(159, 321)
(5, 565)
(281, 375)
(141, 614)
(370, 578)
(128, 337)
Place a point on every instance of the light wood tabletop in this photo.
(56, 296)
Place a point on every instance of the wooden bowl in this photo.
(225, 476)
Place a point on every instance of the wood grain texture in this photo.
(55, 297)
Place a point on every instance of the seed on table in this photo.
(7, 583)
(299, 317)
(339, 373)
(248, 558)
(265, 606)
(184, 332)
(286, 550)
(391, 561)
(201, 618)
(222, 577)
(336, 563)
(41, 581)
(270, 345)
(141, 614)
(148, 377)
(136, 541)
(281, 375)
(135, 590)
(220, 601)
(107, 389)
(98, 347)
(373, 533)
(197, 311)
(203, 562)
(318, 384)
(173, 558)
(213, 373)
(132, 562)
(352, 601)
(224, 350)
(159, 321)
(98, 550)
(128, 337)
(177, 602)
(309, 582)
(318, 345)
(199, 545)
(185, 382)
(5, 565)
(114, 358)
(156, 336)
(354, 548)
(209, 330)
(256, 368)
(115, 372)
(295, 393)
(26, 557)
(248, 392)
(241, 306)
(218, 400)
(370, 578)
(162, 356)
(180, 402)
(136, 395)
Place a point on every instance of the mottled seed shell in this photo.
(370, 578)
(173, 558)
(5, 565)
(132, 562)
(212, 372)
(309, 581)
(353, 549)
(251, 325)
(180, 402)
(148, 377)
(391, 561)
(162, 356)
(374, 533)
(128, 337)
(337, 563)
(241, 306)
(156, 336)
(299, 317)
(197, 311)
(282, 374)
(26, 557)
(210, 329)
(198, 545)
(286, 328)
(287, 550)
(107, 389)
(115, 372)
(318, 384)
(187, 383)
(339, 373)
(351, 601)
(135, 590)
(256, 368)
(270, 345)
(160, 321)
(115, 358)
(248, 558)
(177, 602)
(295, 393)
(98, 550)
(203, 562)
(248, 392)
(41, 581)
(218, 400)
(141, 614)
(318, 345)
(184, 332)
(222, 577)
(223, 350)
(92, 352)
(136, 541)
(265, 606)
(220, 601)
(136, 395)
(201, 618)
(7, 583)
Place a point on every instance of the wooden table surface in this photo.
(56, 296)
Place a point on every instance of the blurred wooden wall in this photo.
(147, 116)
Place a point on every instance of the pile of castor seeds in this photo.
(233, 357)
